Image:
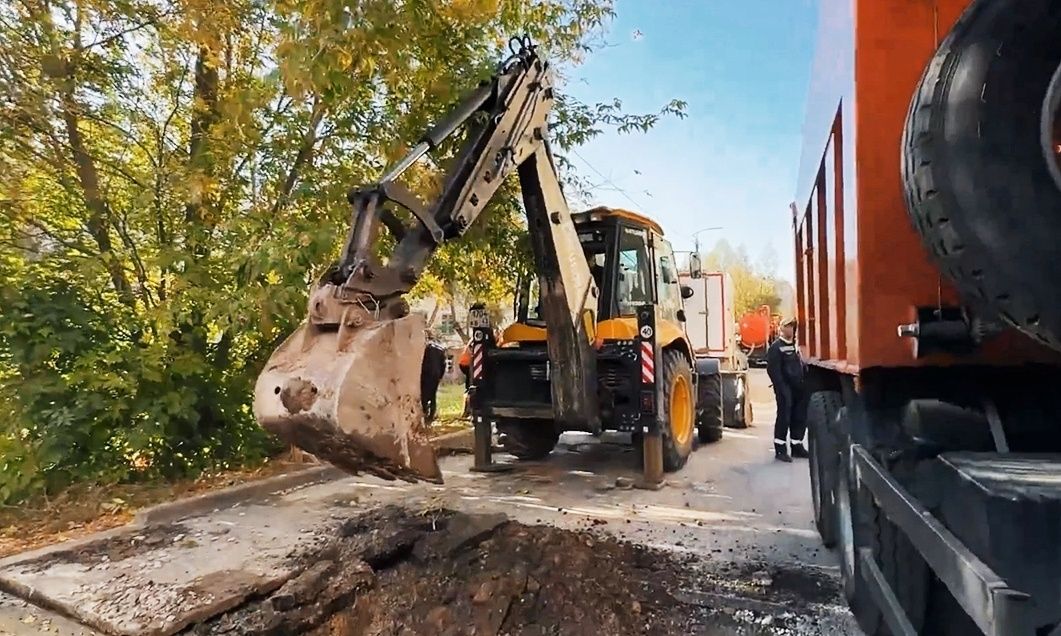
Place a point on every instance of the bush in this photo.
(101, 396)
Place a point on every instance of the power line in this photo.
(641, 207)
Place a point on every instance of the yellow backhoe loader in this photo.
(599, 341)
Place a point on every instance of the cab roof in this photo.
(602, 212)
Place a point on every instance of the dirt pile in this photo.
(392, 572)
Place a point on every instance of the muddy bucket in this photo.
(351, 396)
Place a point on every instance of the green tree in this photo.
(754, 283)
(175, 176)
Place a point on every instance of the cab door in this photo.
(668, 285)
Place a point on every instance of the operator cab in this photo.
(633, 266)
(618, 245)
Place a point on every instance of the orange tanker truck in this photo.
(928, 276)
(757, 329)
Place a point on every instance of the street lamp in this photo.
(695, 267)
(696, 235)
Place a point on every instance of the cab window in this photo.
(668, 287)
(529, 302)
(634, 276)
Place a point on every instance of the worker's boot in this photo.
(799, 451)
(781, 453)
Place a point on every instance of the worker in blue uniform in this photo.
(787, 370)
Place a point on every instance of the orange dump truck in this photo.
(928, 256)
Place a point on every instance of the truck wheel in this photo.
(855, 521)
(861, 524)
(735, 400)
(980, 161)
(679, 410)
(527, 439)
(822, 410)
(709, 410)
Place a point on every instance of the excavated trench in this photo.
(396, 572)
(392, 571)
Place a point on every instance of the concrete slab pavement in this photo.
(732, 504)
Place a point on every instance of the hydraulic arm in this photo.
(345, 385)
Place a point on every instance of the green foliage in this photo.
(175, 176)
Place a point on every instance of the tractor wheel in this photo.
(709, 410)
(981, 162)
(679, 410)
(527, 439)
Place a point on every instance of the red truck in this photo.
(928, 260)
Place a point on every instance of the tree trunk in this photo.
(99, 214)
(98, 211)
(434, 313)
(199, 206)
(457, 326)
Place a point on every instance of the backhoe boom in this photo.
(344, 386)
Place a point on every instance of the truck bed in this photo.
(861, 270)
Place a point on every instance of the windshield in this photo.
(595, 243)
(629, 284)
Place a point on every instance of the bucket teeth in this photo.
(351, 396)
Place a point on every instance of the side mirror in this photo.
(695, 267)
(687, 292)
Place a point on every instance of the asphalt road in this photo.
(744, 520)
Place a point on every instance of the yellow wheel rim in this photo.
(681, 410)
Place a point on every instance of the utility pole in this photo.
(694, 258)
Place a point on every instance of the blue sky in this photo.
(743, 68)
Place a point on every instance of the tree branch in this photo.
(47, 231)
(141, 271)
(136, 27)
(303, 157)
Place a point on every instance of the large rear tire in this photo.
(980, 161)
(861, 524)
(679, 410)
(824, 461)
(528, 439)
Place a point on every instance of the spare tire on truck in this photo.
(980, 161)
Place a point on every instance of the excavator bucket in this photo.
(349, 393)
